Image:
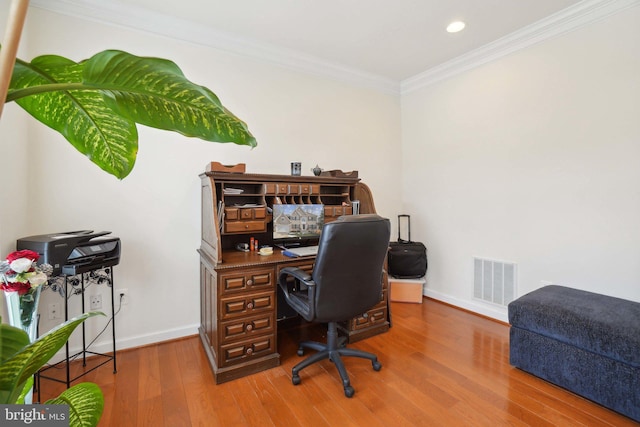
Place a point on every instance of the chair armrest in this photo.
(301, 300)
(296, 273)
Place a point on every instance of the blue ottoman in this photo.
(585, 342)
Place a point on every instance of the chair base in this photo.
(333, 350)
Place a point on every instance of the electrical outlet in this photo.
(124, 299)
(54, 311)
(95, 302)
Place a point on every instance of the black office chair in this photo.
(346, 281)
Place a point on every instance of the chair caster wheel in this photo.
(349, 391)
(295, 379)
(376, 365)
(300, 352)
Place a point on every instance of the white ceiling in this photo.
(389, 40)
(395, 39)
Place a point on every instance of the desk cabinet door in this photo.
(374, 316)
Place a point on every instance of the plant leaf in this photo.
(81, 116)
(155, 92)
(95, 104)
(86, 404)
(18, 368)
(26, 388)
(12, 340)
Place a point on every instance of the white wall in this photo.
(532, 159)
(156, 210)
(14, 183)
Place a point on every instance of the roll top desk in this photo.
(238, 290)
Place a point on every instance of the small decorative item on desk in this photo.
(22, 281)
(317, 170)
(337, 173)
(219, 167)
(266, 250)
(296, 168)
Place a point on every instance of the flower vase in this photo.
(23, 314)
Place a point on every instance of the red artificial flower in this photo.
(25, 253)
(20, 287)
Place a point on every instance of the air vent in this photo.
(494, 281)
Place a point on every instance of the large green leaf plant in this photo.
(20, 360)
(96, 103)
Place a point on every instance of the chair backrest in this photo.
(348, 268)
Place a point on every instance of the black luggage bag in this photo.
(407, 259)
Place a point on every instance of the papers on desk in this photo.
(220, 216)
(230, 190)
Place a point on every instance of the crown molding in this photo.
(140, 19)
(569, 19)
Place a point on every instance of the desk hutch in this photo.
(238, 290)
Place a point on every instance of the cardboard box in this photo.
(406, 290)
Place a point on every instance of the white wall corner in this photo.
(583, 13)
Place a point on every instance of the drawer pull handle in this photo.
(249, 282)
(250, 305)
(249, 351)
(249, 328)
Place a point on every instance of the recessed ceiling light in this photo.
(455, 26)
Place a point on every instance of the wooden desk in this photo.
(238, 290)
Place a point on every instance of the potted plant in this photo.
(95, 104)
(20, 360)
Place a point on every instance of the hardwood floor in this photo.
(441, 367)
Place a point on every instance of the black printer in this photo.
(74, 252)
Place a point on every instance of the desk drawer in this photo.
(276, 189)
(306, 265)
(244, 328)
(333, 212)
(244, 351)
(254, 280)
(246, 305)
(376, 315)
(244, 226)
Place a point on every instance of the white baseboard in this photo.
(497, 313)
(106, 346)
